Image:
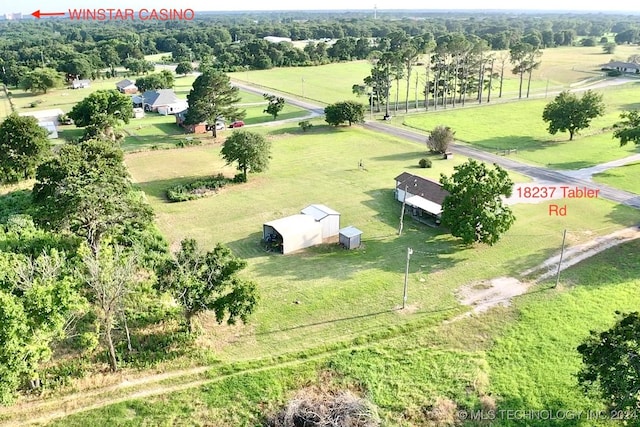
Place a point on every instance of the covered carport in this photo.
(292, 233)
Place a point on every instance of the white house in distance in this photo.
(47, 119)
(80, 84)
(423, 196)
(313, 226)
(161, 101)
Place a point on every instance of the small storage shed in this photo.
(327, 217)
(350, 237)
(292, 233)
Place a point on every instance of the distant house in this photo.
(47, 119)
(423, 196)
(275, 39)
(51, 128)
(623, 67)
(161, 101)
(126, 86)
(199, 128)
(80, 84)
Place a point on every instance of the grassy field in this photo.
(519, 126)
(560, 68)
(623, 177)
(321, 167)
(523, 356)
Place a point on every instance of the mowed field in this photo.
(344, 332)
(559, 69)
(623, 177)
(519, 125)
(334, 286)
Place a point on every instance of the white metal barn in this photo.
(293, 233)
(327, 217)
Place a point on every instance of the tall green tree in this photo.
(628, 130)
(345, 111)
(211, 98)
(110, 275)
(274, 106)
(41, 80)
(101, 112)
(440, 138)
(86, 189)
(568, 113)
(161, 80)
(251, 150)
(474, 210)
(610, 364)
(184, 68)
(23, 145)
(13, 329)
(208, 281)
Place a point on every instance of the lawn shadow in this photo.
(321, 129)
(580, 164)
(413, 156)
(520, 143)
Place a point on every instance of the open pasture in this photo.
(331, 283)
(559, 69)
(519, 125)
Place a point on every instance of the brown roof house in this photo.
(126, 86)
(422, 196)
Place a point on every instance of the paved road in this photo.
(540, 174)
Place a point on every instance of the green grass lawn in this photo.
(322, 167)
(623, 177)
(559, 68)
(523, 356)
(519, 125)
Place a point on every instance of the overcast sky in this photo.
(28, 6)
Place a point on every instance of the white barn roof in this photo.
(318, 212)
(45, 115)
(297, 231)
(291, 223)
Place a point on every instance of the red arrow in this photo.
(38, 14)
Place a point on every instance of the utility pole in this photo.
(406, 278)
(564, 237)
(404, 204)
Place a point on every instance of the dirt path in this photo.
(499, 291)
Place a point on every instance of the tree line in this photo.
(85, 50)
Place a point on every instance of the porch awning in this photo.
(424, 204)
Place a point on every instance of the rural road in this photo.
(538, 174)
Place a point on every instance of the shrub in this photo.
(305, 125)
(614, 73)
(425, 163)
(197, 189)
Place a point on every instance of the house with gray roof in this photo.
(161, 101)
(623, 67)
